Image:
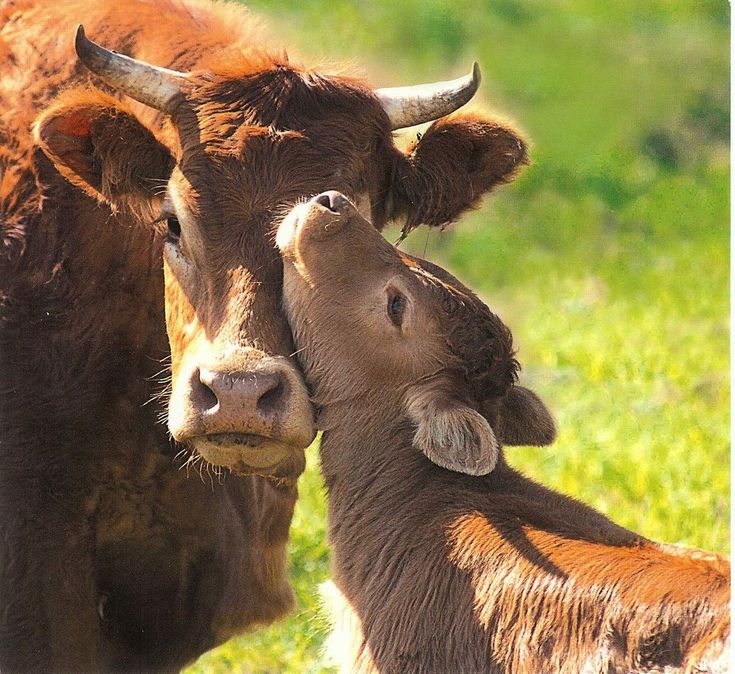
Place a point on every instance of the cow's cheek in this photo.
(182, 322)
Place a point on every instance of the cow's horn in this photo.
(148, 84)
(407, 106)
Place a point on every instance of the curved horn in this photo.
(407, 106)
(148, 84)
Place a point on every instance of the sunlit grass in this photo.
(608, 258)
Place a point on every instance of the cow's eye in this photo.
(396, 307)
(174, 228)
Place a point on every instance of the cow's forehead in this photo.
(284, 98)
(280, 135)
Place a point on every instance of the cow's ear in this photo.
(450, 433)
(100, 146)
(458, 160)
(520, 417)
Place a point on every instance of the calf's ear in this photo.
(97, 144)
(458, 160)
(451, 434)
(520, 417)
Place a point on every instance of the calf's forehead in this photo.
(479, 343)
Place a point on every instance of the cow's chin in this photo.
(247, 454)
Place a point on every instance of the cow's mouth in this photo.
(243, 452)
(241, 439)
(245, 414)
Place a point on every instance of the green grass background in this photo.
(608, 257)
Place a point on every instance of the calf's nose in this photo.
(333, 200)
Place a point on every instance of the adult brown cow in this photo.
(110, 559)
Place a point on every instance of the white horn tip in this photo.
(408, 106)
(476, 74)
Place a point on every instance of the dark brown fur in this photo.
(440, 572)
(110, 558)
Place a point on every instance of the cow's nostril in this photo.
(271, 401)
(227, 398)
(203, 396)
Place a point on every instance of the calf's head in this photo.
(375, 326)
(240, 144)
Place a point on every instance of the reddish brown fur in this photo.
(485, 154)
(109, 557)
(442, 572)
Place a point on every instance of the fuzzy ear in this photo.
(451, 434)
(101, 147)
(520, 417)
(457, 161)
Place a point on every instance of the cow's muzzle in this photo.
(249, 416)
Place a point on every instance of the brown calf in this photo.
(109, 557)
(440, 571)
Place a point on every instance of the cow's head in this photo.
(243, 143)
(381, 330)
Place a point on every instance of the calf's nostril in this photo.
(324, 200)
(339, 202)
(333, 200)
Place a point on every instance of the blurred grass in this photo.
(608, 257)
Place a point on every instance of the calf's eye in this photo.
(396, 307)
(174, 228)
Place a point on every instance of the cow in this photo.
(445, 558)
(140, 191)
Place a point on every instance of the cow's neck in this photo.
(87, 315)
